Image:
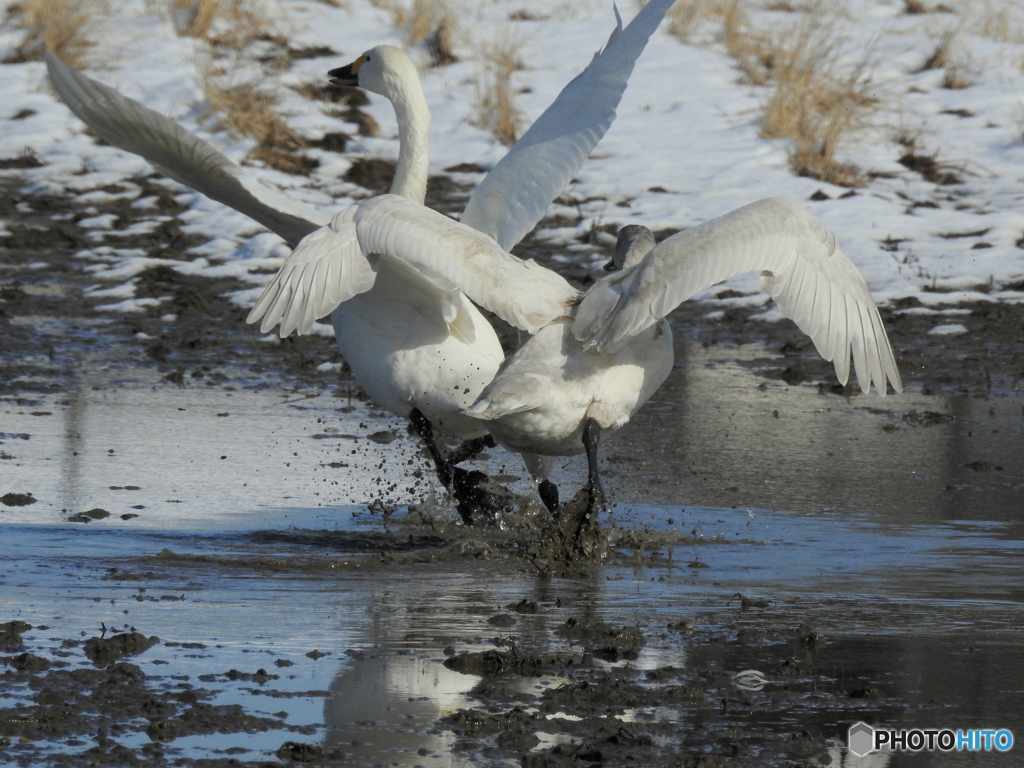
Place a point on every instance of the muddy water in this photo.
(877, 543)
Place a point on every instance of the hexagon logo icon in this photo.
(861, 739)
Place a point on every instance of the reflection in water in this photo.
(973, 677)
(382, 707)
(926, 657)
(73, 448)
(388, 698)
(716, 435)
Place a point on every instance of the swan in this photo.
(412, 340)
(601, 355)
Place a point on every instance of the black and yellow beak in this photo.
(347, 75)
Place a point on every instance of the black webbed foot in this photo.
(469, 449)
(474, 501)
(548, 493)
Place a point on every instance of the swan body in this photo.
(399, 369)
(546, 391)
(413, 335)
(413, 342)
(409, 356)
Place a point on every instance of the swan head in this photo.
(383, 69)
(633, 243)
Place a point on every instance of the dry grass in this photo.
(230, 24)
(815, 101)
(943, 52)
(237, 33)
(246, 111)
(249, 112)
(952, 58)
(686, 16)
(494, 102)
(63, 26)
(929, 166)
(958, 75)
(193, 18)
(430, 22)
(994, 21)
(238, 23)
(754, 52)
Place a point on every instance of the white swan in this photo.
(595, 363)
(412, 340)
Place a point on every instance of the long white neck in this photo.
(413, 139)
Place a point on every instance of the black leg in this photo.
(582, 543)
(591, 441)
(474, 501)
(549, 495)
(470, 448)
(425, 430)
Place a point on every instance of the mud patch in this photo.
(65, 707)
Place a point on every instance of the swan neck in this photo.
(413, 139)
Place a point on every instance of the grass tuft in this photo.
(928, 166)
(237, 33)
(494, 102)
(62, 26)
(943, 52)
(193, 18)
(426, 22)
(247, 111)
(814, 101)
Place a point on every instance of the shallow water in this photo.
(864, 525)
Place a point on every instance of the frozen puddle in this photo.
(254, 559)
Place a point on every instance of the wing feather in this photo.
(803, 269)
(178, 153)
(520, 292)
(840, 355)
(514, 195)
(327, 268)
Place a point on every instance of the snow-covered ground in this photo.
(685, 146)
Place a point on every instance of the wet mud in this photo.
(683, 631)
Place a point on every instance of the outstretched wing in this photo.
(514, 195)
(176, 152)
(522, 293)
(801, 266)
(324, 270)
